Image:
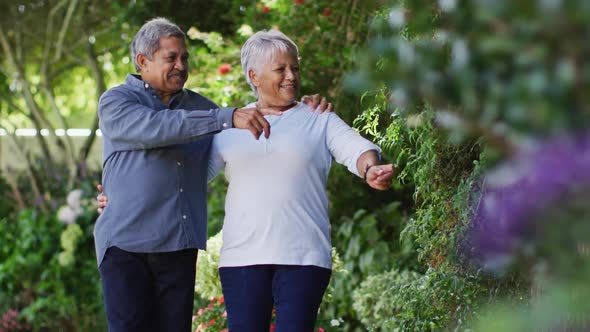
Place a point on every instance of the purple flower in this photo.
(518, 194)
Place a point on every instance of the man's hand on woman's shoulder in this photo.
(317, 103)
(253, 120)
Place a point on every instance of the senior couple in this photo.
(161, 143)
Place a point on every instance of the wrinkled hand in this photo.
(316, 100)
(253, 120)
(379, 176)
(102, 199)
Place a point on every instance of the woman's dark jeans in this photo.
(251, 291)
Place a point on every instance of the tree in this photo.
(48, 48)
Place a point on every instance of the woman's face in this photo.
(277, 80)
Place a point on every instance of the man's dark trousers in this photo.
(148, 291)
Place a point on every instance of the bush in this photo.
(409, 301)
(478, 86)
(377, 299)
(48, 270)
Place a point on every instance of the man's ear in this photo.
(253, 77)
(141, 62)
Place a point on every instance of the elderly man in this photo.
(156, 141)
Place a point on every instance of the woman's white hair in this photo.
(147, 39)
(261, 47)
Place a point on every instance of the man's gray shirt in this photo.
(155, 168)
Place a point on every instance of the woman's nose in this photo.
(289, 73)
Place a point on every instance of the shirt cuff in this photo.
(225, 116)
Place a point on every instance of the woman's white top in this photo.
(276, 208)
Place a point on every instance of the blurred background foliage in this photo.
(481, 105)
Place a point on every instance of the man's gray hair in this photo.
(261, 47)
(147, 39)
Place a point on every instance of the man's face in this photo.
(167, 71)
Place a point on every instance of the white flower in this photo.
(67, 215)
(406, 53)
(441, 37)
(74, 198)
(70, 212)
(550, 6)
(398, 98)
(447, 5)
(245, 30)
(397, 17)
(460, 54)
(335, 322)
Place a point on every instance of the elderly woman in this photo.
(276, 233)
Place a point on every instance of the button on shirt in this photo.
(155, 168)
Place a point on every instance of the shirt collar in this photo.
(135, 80)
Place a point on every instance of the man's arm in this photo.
(129, 125)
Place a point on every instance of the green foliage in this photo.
(7, 202)
(370, 245)
(51, 291)
(408, 301)
(216, 204)
(474, 84)
(565, 307)
(499, 69)
(207, 283)
(377, 299)
(209, 52)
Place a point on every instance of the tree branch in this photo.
(64, 29)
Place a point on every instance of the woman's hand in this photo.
(102, 199)
(316, 100)
(379, 176)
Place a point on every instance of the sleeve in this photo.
(216, 162)
(129, 125)
(345, 144)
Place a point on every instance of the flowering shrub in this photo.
(10, 322)
(212, 318)
(48, 269)
(224, 68)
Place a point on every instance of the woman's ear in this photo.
(253, 77)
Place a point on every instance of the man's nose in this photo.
(180, 64)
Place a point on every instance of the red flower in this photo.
(265, 9)
(320, 329)
(222, 70)
(299, 2)
(327, 11)
(272, 327)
